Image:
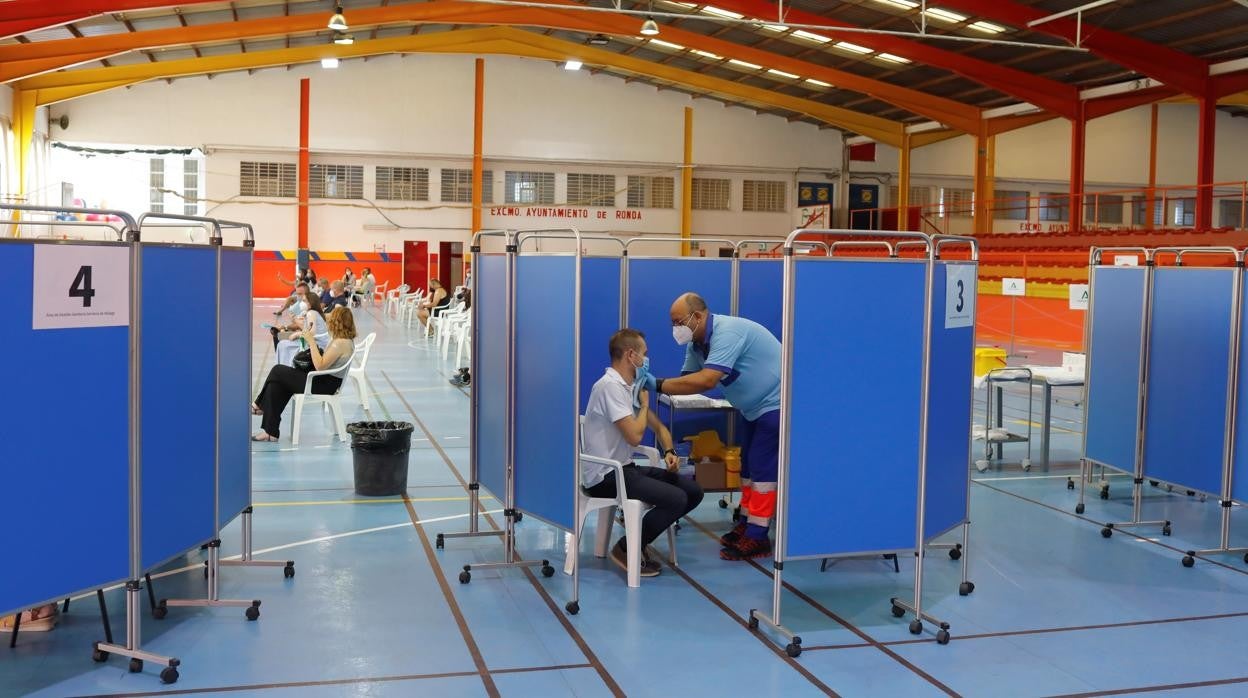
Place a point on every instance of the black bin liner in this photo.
(379, 453)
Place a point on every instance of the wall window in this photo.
(336, 182)
(1010, 205)
(1139, 210)
(272, 179)
(591, 189)
(457, 186)
(651, 192)
(156, 184)
(190, 187)
(530, 187)
(919, 196)
(1231, 212)
(403, 183)
(1054, 206)
(763, 195)
(957, 202)
(1185, 212)
(710, 194)
(1103, 208)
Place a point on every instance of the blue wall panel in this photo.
(489, 374)
(546, 399)
(234, 468)
(652, 286)
(760, 292)
(600, 318)
(1189, 350)
(1239, 474)
(949, 415)
(179, 399)
(66, 477)
(1117, 316)
(854, 445)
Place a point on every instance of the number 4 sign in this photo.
(77, 286)
(959, 295)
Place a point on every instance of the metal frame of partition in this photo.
(899, 608)
(212, 569)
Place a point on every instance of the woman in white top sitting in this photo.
(284, 382)
(312, 321)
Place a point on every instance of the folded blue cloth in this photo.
(643, 381)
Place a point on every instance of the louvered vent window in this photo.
(591, 189)
(651, 192)
(271, 179)
(336, 182)
(403, 183)
(710, 194)
(764, 195)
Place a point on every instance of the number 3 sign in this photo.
(78, 286)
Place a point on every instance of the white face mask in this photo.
(682, 334)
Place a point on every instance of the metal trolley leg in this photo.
(212, 599)
(246, 559)
(102, 650)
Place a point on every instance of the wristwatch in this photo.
(670, 452)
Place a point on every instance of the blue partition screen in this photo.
(1239, 473)
(67, 499)
(600, 318)
(234, 345)
(546, 398)
(652, 286)
(489, 373)
(1189, 350)
(857, 361)
(1113, 383)
(760, 292)
(948, 415)
(179, 398)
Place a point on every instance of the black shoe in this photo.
(619, 556)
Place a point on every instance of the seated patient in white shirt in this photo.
(613, 427)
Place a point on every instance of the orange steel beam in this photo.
(17, 62)
(497, 40)
(304, 168)
(23, 16)
(1152, 171)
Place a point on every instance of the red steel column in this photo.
(1078, 162)
(1205, 143)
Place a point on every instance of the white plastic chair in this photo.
(331, 401)
(356, 374)
(448, 324)
(606, 507)
(379, 293)
(392, 298)
(463, 342)
(409, 306)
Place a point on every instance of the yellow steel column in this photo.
(478, 112)
(24, 134)
(985, 169)
(903, 184)
(686, 187)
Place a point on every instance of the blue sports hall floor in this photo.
(376, 610)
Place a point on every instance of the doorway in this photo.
(865, 198)
(416, 263)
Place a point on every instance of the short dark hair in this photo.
(624, 340)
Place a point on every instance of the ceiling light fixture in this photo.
(344, 39)
(667, 44)
(329, 63)
(649, 27)
(572, 64)
(337, 22)
(744, 64)
(598, 40)
(782, 74)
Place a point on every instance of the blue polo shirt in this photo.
(749, 357)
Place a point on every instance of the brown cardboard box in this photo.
(711, 474)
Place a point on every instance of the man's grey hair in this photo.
(694, 302)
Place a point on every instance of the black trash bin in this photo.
(379, 451)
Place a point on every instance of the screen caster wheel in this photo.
(519, 517)
(1070, 484)
(1105, 492)
(160, 611)
(1165, 530)
(1026, 463)
(169, 675)
(253, 611)
(916, 626)
(465, 577)
(136, 665)
(439, 542)
(955, 553)
(723, 504)
(1245, 558)
(1079, 508)
(752, 623)
(793, 649)
(99, 655)
(547, 570)
(205, 570)
(1189, 560)
(1107, 532)
(1153, 483)
(572, 608)
(965, 588)
(288, 571)
(898, 611)
(942, 637)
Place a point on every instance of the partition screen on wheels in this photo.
(760, 287)
(545, 360)
(69, 420)
(489, 373)
(1189, 347)
(600, 318)
(949, 400)
(1116, 318)
(653, 283)
(857, 360)
(234, 337)
(1239, 466)
(179, 399)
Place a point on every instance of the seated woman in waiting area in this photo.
(284, 382)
